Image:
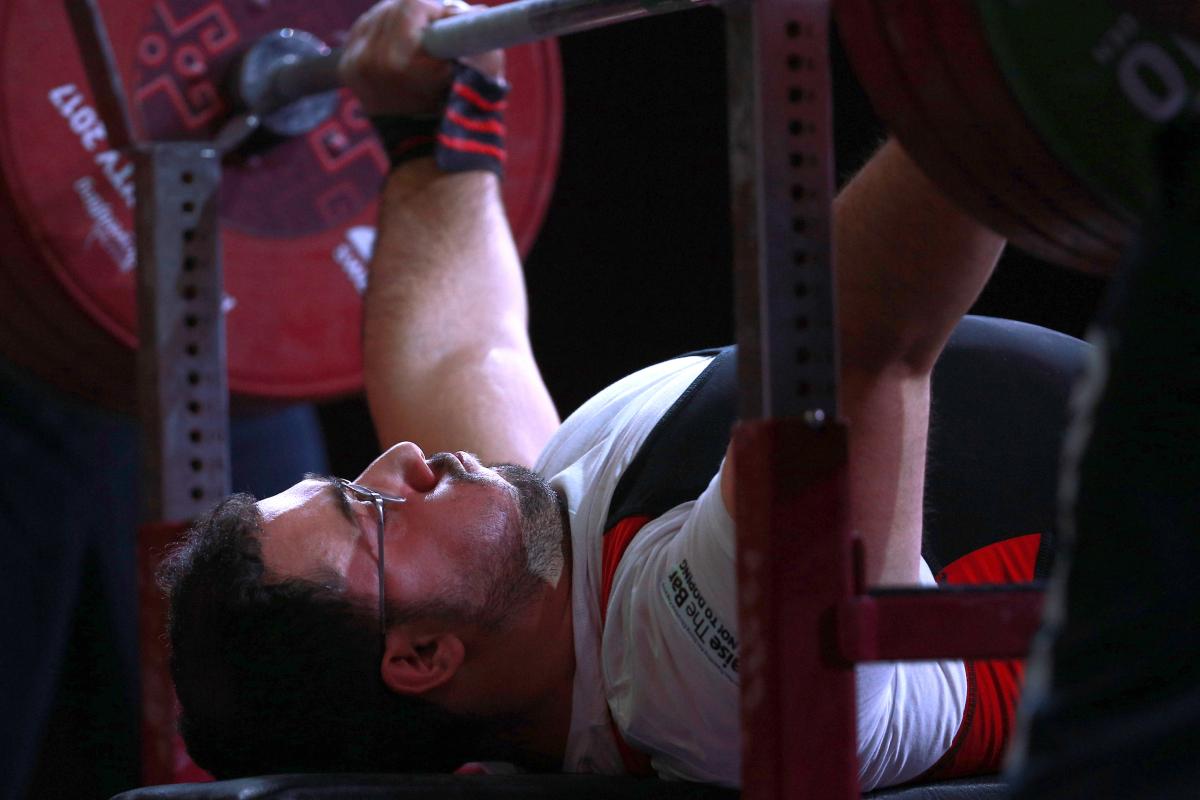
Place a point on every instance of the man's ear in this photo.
(417, 662)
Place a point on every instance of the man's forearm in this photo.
(909, 265)
(446, 348)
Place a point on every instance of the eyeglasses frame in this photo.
(361, 493)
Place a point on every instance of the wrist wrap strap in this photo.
(469, 136)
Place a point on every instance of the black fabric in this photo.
(1119, 714)
(471, 135)
(999, 410)
(985, 787)
(68, 673)
(685, 447)
(468, 136)
(405, 138)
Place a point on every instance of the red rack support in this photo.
(798, 725)
(971, 623)
(804, 619)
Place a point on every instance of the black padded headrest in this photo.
(433, 787)
(1000, 397)
(336, 786)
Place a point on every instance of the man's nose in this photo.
(401, 470)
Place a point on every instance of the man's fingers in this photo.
(455, 7)
(390, 29)
(385, 66)
(355, 46)
(423, 12)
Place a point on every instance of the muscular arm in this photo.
(446, 348)
(909, 265)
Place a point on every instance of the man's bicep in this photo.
(446, 349)
(490, 401)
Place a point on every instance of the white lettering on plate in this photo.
(85, 123)
(353, 254)
(107, 230)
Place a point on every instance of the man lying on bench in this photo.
(560, 596)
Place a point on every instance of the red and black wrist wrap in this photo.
(405, 138)
(469, 136)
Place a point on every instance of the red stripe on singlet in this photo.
(616, 541)
(993, 687)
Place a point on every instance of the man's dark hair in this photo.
(283, 675)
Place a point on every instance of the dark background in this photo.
(633, 263)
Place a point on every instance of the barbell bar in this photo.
(295, 76)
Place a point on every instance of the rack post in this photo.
(789, 450)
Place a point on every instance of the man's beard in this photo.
(519, 566)
(543, 522)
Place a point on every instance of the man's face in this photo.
(478, 539)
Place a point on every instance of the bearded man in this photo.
(469, 605)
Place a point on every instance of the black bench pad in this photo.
(496, 787)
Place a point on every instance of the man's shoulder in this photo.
(620, 412)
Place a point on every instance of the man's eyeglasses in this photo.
(365, 494)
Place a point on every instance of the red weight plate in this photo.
(535, 135)
(883, 79)
(962, 44)
(42, 331)
(910, 30)
(297, 217)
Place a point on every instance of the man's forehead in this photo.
(306, 492)
(303, 533)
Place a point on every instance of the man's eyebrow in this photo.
(339, 493)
